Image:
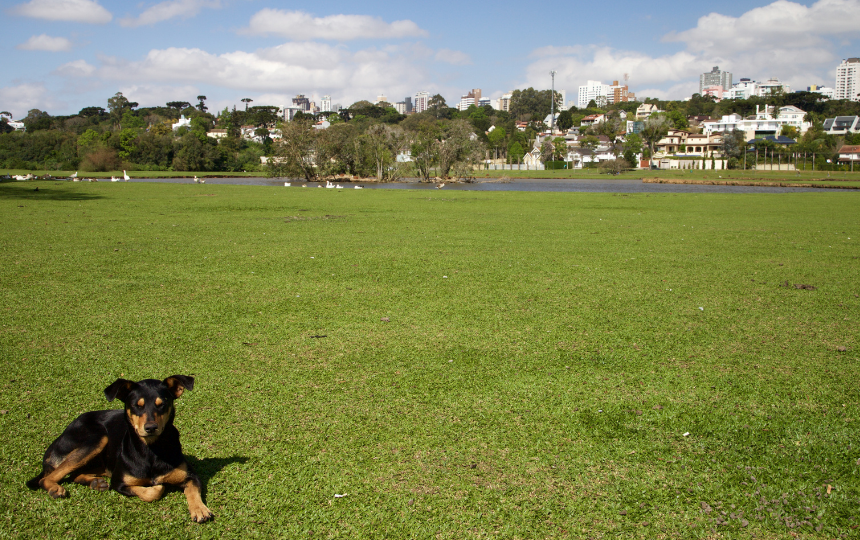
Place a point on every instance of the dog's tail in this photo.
(33, 483)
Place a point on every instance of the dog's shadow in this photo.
(206, 468)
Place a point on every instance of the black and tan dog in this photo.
(137, 448)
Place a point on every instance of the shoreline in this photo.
(761, 183)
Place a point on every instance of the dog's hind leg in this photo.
(61, 466)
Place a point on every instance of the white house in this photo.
(645, 110)
(760, 124)
(183, 122)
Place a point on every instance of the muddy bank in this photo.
(742, 182)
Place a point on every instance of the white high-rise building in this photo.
(595, 90)
(325, 104)
(422, 102)
(848, 80)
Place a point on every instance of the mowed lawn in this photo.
(439, 364)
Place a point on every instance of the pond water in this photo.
(517, 184)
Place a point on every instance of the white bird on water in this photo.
(114, 179)
(358, 187)
(440, 186)
(74, 176)
(196, 180)
(286, 184)
(125, 176)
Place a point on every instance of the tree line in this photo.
(364, 139)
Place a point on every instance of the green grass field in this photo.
(457, 364)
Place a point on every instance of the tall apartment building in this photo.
(595, 90)
(408, 102)
(302, 102)
(422, 101)
(848, 80)
(505, 102)
(472, 98)
(325, 104)
(716, 77)
(619, 93)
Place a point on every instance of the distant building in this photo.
(825, 91)
(763, 123)
(842, 125)
(182, 122)
(645, 110)
(505, 102)
(716, 92)
(716, 77)
(380, 99)
(325, 104)
(848, 80)
(484, 101)
(408, 103)
(302, 102)
(592, 90)
(422, 101)
(469, 99)
(400, 107)
(619, 93)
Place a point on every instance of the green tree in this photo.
(118, 105)
(564, 120)
(293, 153)
(531, 104)
(201, 105)
(655, 128)
(436, 105)
(515, 152)
(127, 143)
(131, 120)
(497, 139)
(37, 120)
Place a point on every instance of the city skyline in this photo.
(63, 55)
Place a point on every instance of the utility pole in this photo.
(552, 105)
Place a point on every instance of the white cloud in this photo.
(76, 68)
(299, 25)
(784, 39)
(45, 43)
(19, 99)
(157, 95)
(84, 11)
(168, 10)
(457, 58)
(286, 70)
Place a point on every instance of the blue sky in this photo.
(62, 55)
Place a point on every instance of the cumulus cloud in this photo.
(83, 11)
(45, 43)
(293, 67)
(299, 25)
(785, 39)
(19, 99)
(456, 58)
(169, 9)
(154, 94)
(76, 68)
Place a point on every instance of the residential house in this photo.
(763, 122)
(849, 154)
(681, 149)
(645, 110)
(182, 122)
(217, 133)
(593, 119)
(842, 125)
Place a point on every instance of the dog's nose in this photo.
(151, 427)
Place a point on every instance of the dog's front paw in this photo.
(200, 513)
(57, 491)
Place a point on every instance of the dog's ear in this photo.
(178, 384)
(119, 390)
